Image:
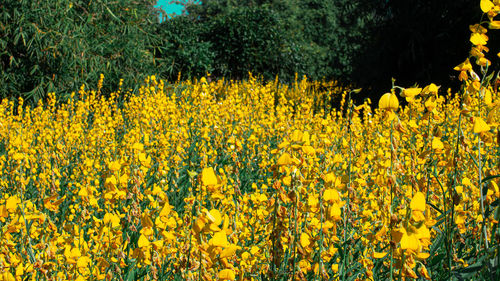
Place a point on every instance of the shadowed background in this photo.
(56, 46)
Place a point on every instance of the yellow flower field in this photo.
(245, 180)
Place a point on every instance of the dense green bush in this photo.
(320, 39)
(359, 42)
(248, 39)
(183, 49)
(59, 45)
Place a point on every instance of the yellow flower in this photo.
(335, 212)
(418, 202)
(494, 24)
(464, 66)
(114, 165)
(388, 101)
(411, 92)
(138, 146)
(480, 126)
(437, 143)
(219, 239)
(431, 89)
(83, 262)
(423, 271)
(143, 241)
(229, 251)
(409, 242)
(377, 255)
(331, 196)
(305, 240)
(478, 39)
(285, 159)
(12, 203)
(486, 5)
(208, 177)
(226, 274)
(215, 217)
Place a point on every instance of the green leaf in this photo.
(488, 178)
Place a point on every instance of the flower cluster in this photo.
(247, 180)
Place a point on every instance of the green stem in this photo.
(390, 207)
(347, 208)
(295, 211)
(480, 176)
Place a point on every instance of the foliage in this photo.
(318, 40)
(248, 39)
(183, 49)
(60, 45)
(252, 180)
(347, 40)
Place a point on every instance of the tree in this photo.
(320, 39)
(58, 45)
(249, 39)
(183, 49)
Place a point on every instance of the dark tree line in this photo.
(60, 44)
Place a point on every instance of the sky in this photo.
(169, 8)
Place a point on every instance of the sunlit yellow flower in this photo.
(388, 101)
